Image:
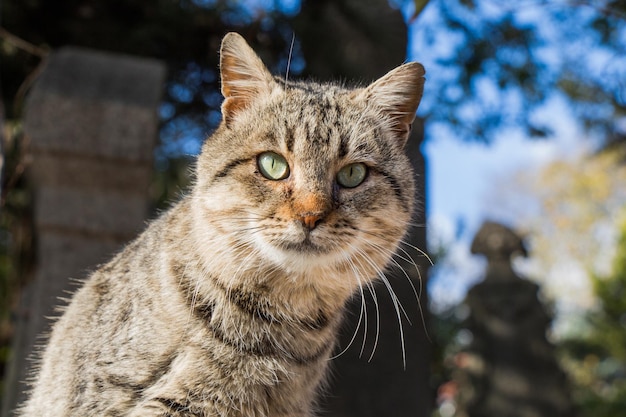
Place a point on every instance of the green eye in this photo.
(352, 175)
(273, 166)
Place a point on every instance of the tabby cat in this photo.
(229, 303)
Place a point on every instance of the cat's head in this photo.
(305, 175)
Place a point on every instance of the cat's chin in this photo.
(300, 256)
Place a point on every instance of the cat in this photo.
(229, 303)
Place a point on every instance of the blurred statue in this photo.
(508, 368)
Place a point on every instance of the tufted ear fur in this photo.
(244, 76)
(398, 95)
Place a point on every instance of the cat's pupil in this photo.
(352, 175)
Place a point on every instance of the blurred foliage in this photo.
(496, 65)
(501, 65)
(16, 233)
(597, 359)
(446, 344)
(568, 210)
(186, 34)
(418, 7)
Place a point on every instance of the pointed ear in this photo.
(243, 75)
(398, 95)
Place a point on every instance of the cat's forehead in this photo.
(317, 119)
(317, 96)
(326, 106)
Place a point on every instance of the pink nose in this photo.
(311, 208)
(310, 221)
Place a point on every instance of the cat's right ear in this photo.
(244, 76)
(397, 95)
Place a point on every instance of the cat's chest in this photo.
(210, 380)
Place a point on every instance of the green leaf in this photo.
(419, 7)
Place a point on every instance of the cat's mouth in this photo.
(306, 246)
(297, 248)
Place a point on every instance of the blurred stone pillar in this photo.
(361, 40)
(92, 123)
(509, 368)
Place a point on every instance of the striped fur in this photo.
(229, 303)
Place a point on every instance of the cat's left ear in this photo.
(398, 95)
(244, 76)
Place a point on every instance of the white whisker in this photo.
(376, 306)
(362, 312)
(412, 262)
(293, 40)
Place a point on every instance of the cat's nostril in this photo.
(311, 221)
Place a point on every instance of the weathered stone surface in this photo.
(92, 123)
(93, 103)
(74, 257)
(86, 74)
(120, 176)
(67, 259)
(90, 211)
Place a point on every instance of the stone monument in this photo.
(509, 368)
(91, 120)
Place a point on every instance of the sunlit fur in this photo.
(229, 303)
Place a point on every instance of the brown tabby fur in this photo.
(229, 303)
